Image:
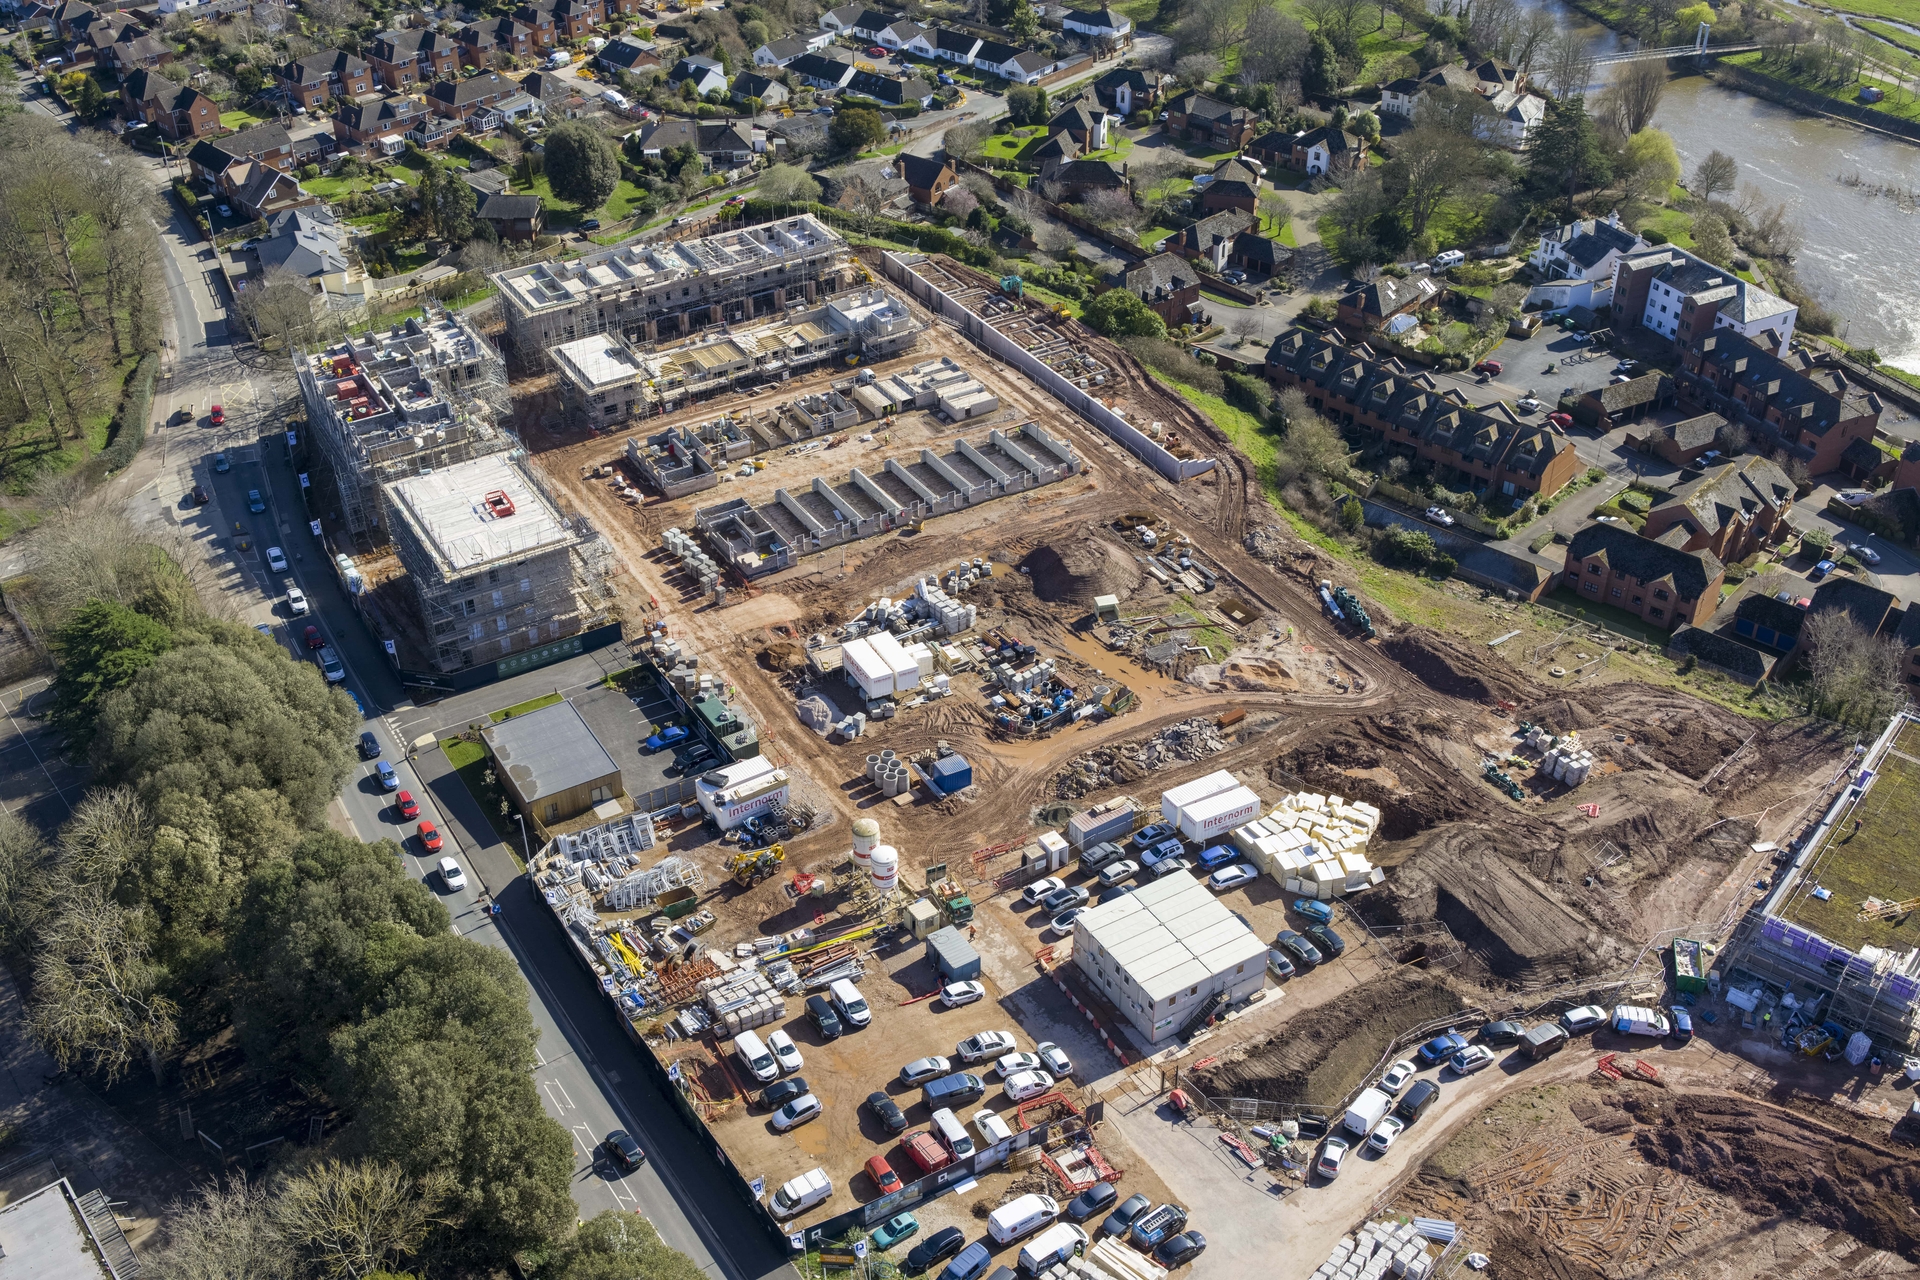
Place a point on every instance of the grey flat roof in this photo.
(547, 751)
(45, 1238)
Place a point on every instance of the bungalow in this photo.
(899, 33)
(1128, 89)
(1681, 443)
(1733, 510)
(946, 45)
(927, 179)
(1231, 185)
(371, 122)
(779, 53)
(176, 111)
(417, 55)
(1074, 177)
(855, 20)
(992, 54)
(1024, 68)
(1097, 24)
(514, 217)
(479, 41)
(1168, 285)
(1085, 122)
(460, 99)
(706, 75)
(628, 53)
(819, 71)
(1194, 117)
(1651, 578)
(749, 85)
(721, 145)
(1371, 308)
(311, 80)
(891, 90)
(1623, 402)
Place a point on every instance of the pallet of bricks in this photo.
(1381, 1249)
(1108, 1259)
(742, 1001)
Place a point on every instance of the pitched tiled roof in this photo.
(1132, 77)
(892, 90)
(751, 84)
(397, 46)
(461, 93)
(993, 53)
(257, 141)
(318, 66)
(1694, 432)
(1867, 606)
(960, 42)
(1627, 552)
(1258, 248)
(1158, 276)
(814, 66)
(1783, 617)
(1589, 240)
(923, 171)
(508, 208)
(1813, 399)
(1861, 453)
(1337, 141)
(1088, 173)
(1388, 296)
(1648, 388)
(1199, 237)
(1908, 634)
(788, 49)
(1734, 491)
(1060, 144)
(1721, 651)
(1199, 106)
(371, 114)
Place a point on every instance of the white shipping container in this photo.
(1217, 813)
(1171, 802)
(874, 677)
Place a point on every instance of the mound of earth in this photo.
(1455, 669)
(783, 655)
(1383, 761)
(1318, 1061)
(1075, 572)
(1689, 735)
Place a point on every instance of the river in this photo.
(1861, 256)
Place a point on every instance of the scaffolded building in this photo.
(418, 396)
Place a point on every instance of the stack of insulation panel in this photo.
(1314, 845)
(953, 617)
(1378, 1250)
(743, 1000)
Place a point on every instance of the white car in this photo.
(991, 1126)
(1041, 888)
(921, 1070)
(785, 1051)
(452, 876)
(1855, 497)
(1332, 1154)
(1161, 852)
(297, 601)
(955, 994)
(796, 1113)
(1054, 1059)
(1013, 1063)
(1022, 1085)
(1439, 515)
(1396, 1078)
(1529, 405)
(988, 1046)
(1382, 1138)
(1231, 877)
(276, 560)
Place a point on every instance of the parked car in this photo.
(942, 1244)
(1125, 869)
(591, 224)
(785, 1051)
(1327, 940)
(899, 1227)
(430, 838)
(217, 416)
(1054, 1059)
(1234, 276)
(623, 1150)
(1820, 571)
(1682, 1024)
(1278, 965)
(221, 463)
(1231, 877)
(1865, 552)
(1440, 1048)
(887, 1112)
(955, 994)
(1493, 367)
(1396, 1078)
(1158, 1224)
(1855, 497)
(781, 1092)
(885, 1180)
(985, 1047)
(1121, 1219)
(1060, 899)
(1161, 852)
(1418, 1097)
(796, 1113)
(1381, 1139)
(1034, 894)
(1561, 420)
(1333, 1153)
(314, 639)
(1471, 1059)
(407, 806)
(297, 602)
(921, 1070)
(1318, 912)
(668, 737)
(451, 876)
(200, 496)
(969, 1263)
(1527, 404)
(1304, 953)
(1181, 1250)
(1022, 1085)
(255, 503)
(1012, 1063)
(1502, 1033)
(1215, 857)
(1586, 1018)
(1439, 515)
(1062, 924)
(1117, 891)
(1147, 837)
(330, 666)
(1626, 366)
(276, 560)
(826, 1020)
(389, 780)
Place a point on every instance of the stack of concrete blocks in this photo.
(1376, 1251)
(1313, 844)
(1108, 1259)
(953, 617)
(691, 554)
(743, 1000)
(962, 576)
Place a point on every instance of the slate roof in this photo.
(506, 208)
(318, 66)
(1227, 223)
(1098, 18)
(1132, 77)
(462, 93)
(786, 50)
(892, 90)
(1029, 63)
(1158, 276)
(923, 171)
(1060, 145)
(1648, 388)
(1451, 76)
(373, 114)
(1868, 606)
(961, 42)
(814, 66)
(1811, 400)
(627, 54)
(211, 156)
(1388, 296)
(1907, 636)
(1198, 106)
(1721, 651)
(398, 46)
(1627, 552)
(1588, 240)
(1732, 491)
(501, 32)
(1694, 432)
(145, 85)
(305, 241)
(992, 53)
(751, 84)
(1088, 173)
(1780, 616)
(1337, 141)
(1077, 115)
(1259, 248)
(257, 141)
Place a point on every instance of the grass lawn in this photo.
(1222, 300)
(1907, 108)
(334, 188)
(239, 119)
(411, 258)
(1675, 225)
(521, 708)
(1892, 35)
(1286, 236)
(1152, 237)
(27, 457)
(374, 223)
(469, 760)
(1881, 859)
(619, 204)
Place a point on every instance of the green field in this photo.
(1907, 11)
(1898, 103)
(1892, 35)
(1881, 859)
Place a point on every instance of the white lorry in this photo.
(1367, 1111)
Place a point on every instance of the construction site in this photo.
(1135, 625)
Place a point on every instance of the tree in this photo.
(1855, 677)
(454, 209)
(1117, 313)
(283, 307)
(97, 997)
(1430, 164)
(1650, 162)
(224, 1232)
(1718, 173)
(352, 1219)
(100, 648)
(1501, 306)
(958, 201)
(788, 184)
(1711, 239)
(1022, 25)
(1688, 20)
(857, 128)
(965, 141)
(1629, 102)
(1566, 153)
(1194, 69)
(1027, 104)
(582, 165)
(1276, 45)
(1320, 77)
(618, 1246)
(1569, 64)
(1357, 214)
(1733, 438)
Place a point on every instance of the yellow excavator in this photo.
(751, 866)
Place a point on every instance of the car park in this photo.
(1231, 877)
(297, 601)
(955, 994)
(1278, 965)
(781, 1092)
(255, 503)
(921, 1070)
(796, 1113)
(430, 839)
(942, 1244)
(1441, 1047)
(1094, 1199)
(406, 804)
(1502, 1033)
(1318, 912)
(1304, 953)
(887, 1112)
(623, 1150)
(451, 876)
(1125, 869)
(1327, 940)
(985, 1047)
(1418, 1097)
(885, 1180)
(1181, 1250)
(1587, 1017)
(1396, 1078)
(1471, 1059)
(969, 1263)
(1158, 1224)
(1062, 924)
(389, 780)
(952, 1091)
(276, 560)
(1439, 515)
(1333, 1153)
(901, 1226)
(1060, 899)
(1381, 1139)
(1036, 893)
(1147, 837)
(785, 1051)
(1053, 1058)
(1022, 1085)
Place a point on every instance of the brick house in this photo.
(460, 99)
(135, 50)
(1085, 123)
(1771, 625)
(1125, 90)
(1194, 117)
(1168, 285)
(1211, 238)
(1651, 579)
(1492, 452)
(1733, 510)
(1681, 443)
(1370, 308)
(1685, 298)
(1234, 186)
(1076, 176)
(1790, 402)
(370, 122)
(311, 80)
(403, 59)
(175, 110)
(927, 179)
(514, 217)
(479, 41)
(261, 191)
(556, 20)
(219, 162)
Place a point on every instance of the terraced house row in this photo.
(1491, 450)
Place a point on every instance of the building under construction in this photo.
(416, 397)
(646, 291)
(606, 380)
(1835, 937)
(499, 573)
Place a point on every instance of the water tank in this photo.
(866, 836)
(886, 868)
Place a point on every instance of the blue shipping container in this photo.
(951, 774)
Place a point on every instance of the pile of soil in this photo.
(1075, 572)
(783, 655)
(1318, 1061)
(1454, 669)
(1383, 761)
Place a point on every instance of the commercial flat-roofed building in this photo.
(551, 764)
(644, 291)
(491, 559)
(54, 1234)
(1161, 953)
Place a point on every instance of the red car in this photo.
(314, 639)
(218, 416)
(876, 52)
(408, 806)
(1561, 420)
(429, 835)
(1489, 366)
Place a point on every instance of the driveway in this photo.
(1899, 567)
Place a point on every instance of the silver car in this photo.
(920, 1070)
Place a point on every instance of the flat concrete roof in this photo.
(43, 1237)
(599, 361)
(448, 509)
(548, 751)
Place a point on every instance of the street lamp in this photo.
(517, 817)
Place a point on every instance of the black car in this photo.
(942, 1244)
(1182, 1249)
(825, 1020)
(1091, 1201)
(1502, 1033)
(369, 746)
(1304, 953)
(1117, 891)
(1418, 1097)
(887, 1112)
(623, 1150)
(1327, 940)
(1120, 1219)
(781, 1092)
(200, 498)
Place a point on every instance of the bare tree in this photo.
(1733, 438)
(1568, 64)
(97, 997)
(1243, 325)
(1532, 40)
(226, 1232)
(352, 1219)
(1195, 69)
(1719, 172)
(1430, 164)
(1634, 94)
(1111, 209)
(1855, 676)
(964, 141)
(1276, 45)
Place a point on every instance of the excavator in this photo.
(750, 866)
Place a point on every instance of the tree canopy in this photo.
(583, 165)
(857, 128)
(1119, 314)
(102, 647)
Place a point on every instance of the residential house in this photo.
(1258, 255)
(721, 145)
(1398, 96)
(628, 53)
(71, 19)
(1194, 117)
(1025, 68)
(1772, 625)
(893, 91)
(514, 217)
(1682, 297)
(1789, 401)
(1491, 452)
(1055, 151)
(857, 21)
(1211, 238)
(134, 50)
(460, 99)
(1735, 509)
(706, 75)
(1067, 180)
(1231, 185)
(1778, 627)
(547, 87)
(1619, 403)
(1515, 118)
(946, 45)
(266, 143)
(260, 191)
(1496, 77)
(1086, 123)
(749, 85)
(1681, 443)
(311, 80)
(415, 56)
(552, 21)
(378, 124)
(1329, 151)
(899, 33)
(1573, 265)
(1652, 579)
(991, 55)
(927, 179)
(176, 111)
(1097, 24)
(1371, 307)
(436, 133)
(485, 182)
(780, 52)
(479, 41)
(1167, 284)
(1128, 89)
(821, 71)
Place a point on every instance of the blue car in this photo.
(894, 1230)
(1318, 912)
(668, 737)
(1217, 856)
(358, 705)
(1440, 1048)
(255, 503)
(1682, 1024)
(1820, 571)
(389, 780)
(970, 1262)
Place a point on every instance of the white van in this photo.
(1022, 1216)
(559, 59)
(952, 1134)
(991, 1127)
(615, 99)
(805, 1191)
(1450, 258)
(852, 1005)
(756, 1057)
(1056, 1244)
